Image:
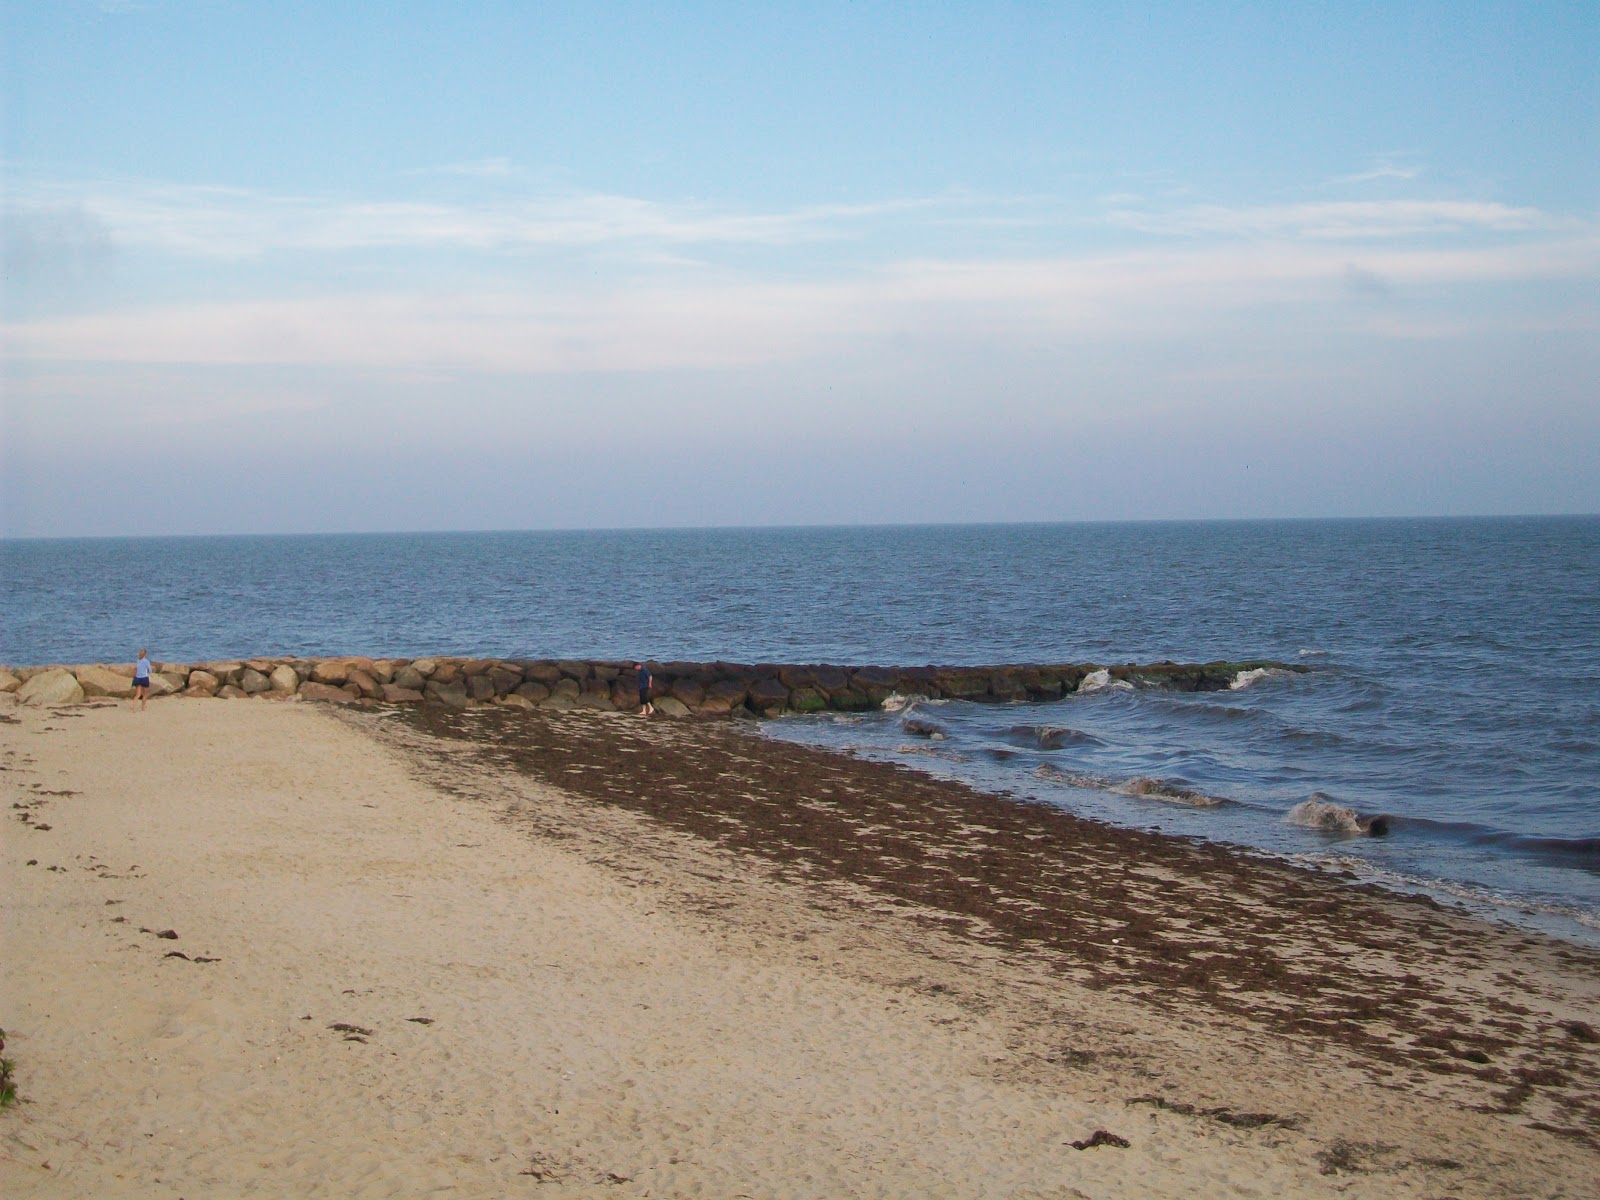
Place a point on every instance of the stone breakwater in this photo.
(681, 689)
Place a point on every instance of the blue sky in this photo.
(304, 267)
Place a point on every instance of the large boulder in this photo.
(105, 681)
(395, 694)
(767, 695)
(452, 695)
(959, 684)
(8, 682)
(807, 700)
(667, 706)
(55, 686)
(688, 691)
(203, 683)
(332, 672)
(167, 683)
(284, 679)
(311, 690)
(532, 692)
(363, 682)
(253, 681)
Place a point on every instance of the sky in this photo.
(299, 267)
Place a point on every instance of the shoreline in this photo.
(662, 957)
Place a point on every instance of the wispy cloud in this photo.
(235, 223)
(1341, 220)
(1386, 167)
(695, 323)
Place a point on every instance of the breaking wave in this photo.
(1143, 787)
(1322, 813)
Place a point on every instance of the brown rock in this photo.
(284, 679)
(730, 693)
(961, 684)
(689, 691)
(425, 666)
(668, 706)
(363, 683)
(767, 694)
(55, 686)
(232, 691)
(8, 682)
(546, 673)
(253, 681)
(383, 670)
(395, 694)
(409, 677)
(565, 688)
(447, 693)
(167, 683)
(533, 692)
(312, 690)
(480, 687)
(445, 672)
(504, 679)
(516, 701)
(331, 671)
(203, 683)
(105, 681)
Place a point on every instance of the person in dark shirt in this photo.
(645, 707)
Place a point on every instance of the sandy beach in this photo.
(278, 949)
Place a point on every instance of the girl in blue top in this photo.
(141, 678)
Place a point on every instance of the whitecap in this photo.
(1172, 793)
(1324, 814)
(1245, 679)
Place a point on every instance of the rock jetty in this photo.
(682, 689)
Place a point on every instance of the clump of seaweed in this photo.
(8, 1085)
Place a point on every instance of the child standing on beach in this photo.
(141, 678)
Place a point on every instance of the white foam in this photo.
(1100, 681)
(1159, 789)
(1323, 814)
(1245, 678)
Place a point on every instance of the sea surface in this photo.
(1454, 678)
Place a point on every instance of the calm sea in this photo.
(1455, 664)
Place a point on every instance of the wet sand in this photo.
(487, 952)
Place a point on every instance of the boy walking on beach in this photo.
(645, 707)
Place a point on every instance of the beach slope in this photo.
(262, 948)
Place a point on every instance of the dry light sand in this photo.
(394, 986)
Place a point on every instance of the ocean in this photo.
(1454, 679)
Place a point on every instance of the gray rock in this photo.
(283, 679)
(409, 677)
(253, 681)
